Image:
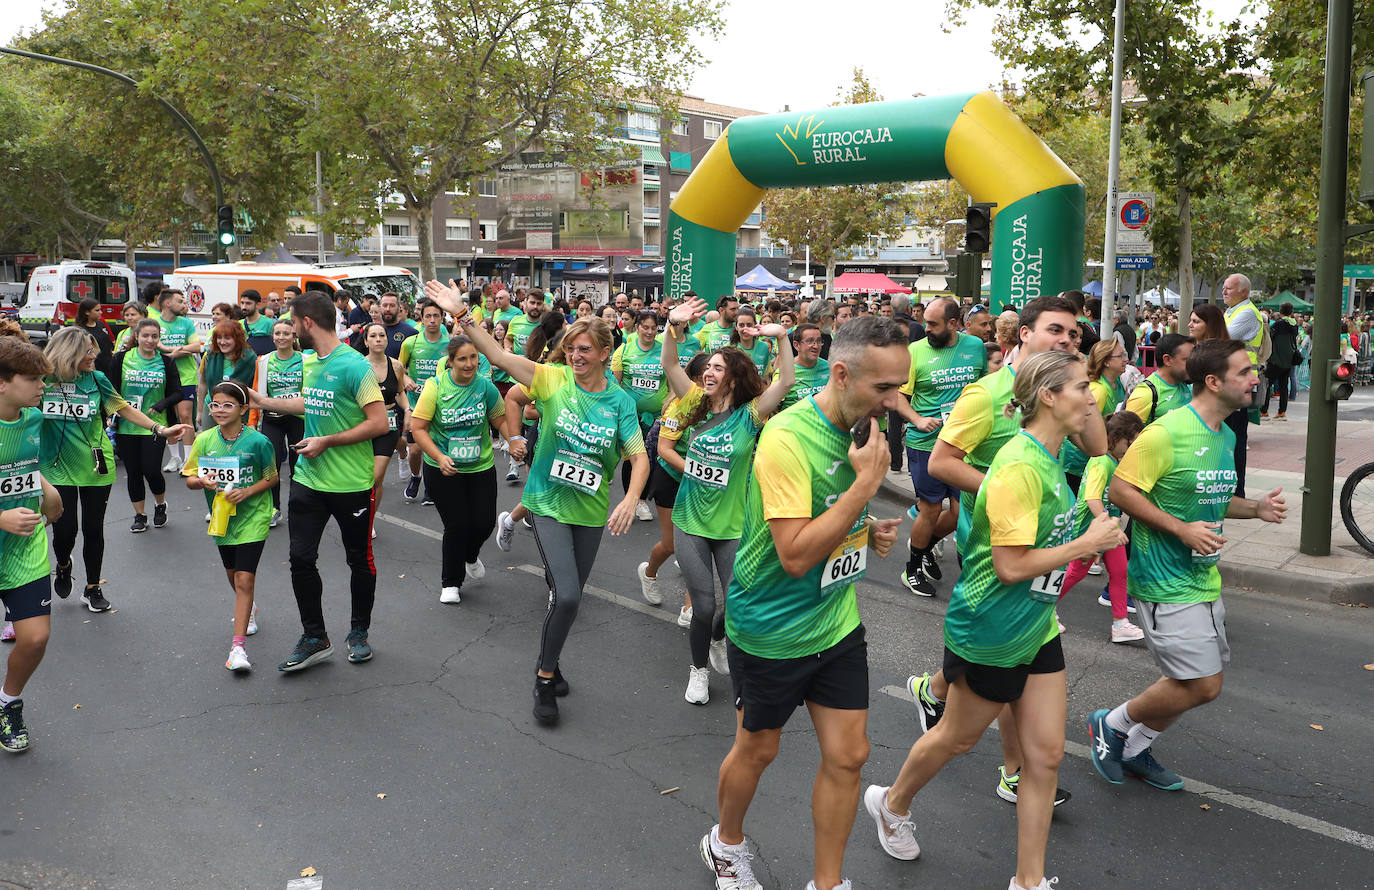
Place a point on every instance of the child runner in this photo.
(240, 463)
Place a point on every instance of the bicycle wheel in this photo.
(1357, 506)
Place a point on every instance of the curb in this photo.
(1358, 590)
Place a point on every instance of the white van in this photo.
(51, 296)
(210, 284)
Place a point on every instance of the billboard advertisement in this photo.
(549, 208)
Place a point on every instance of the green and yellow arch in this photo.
(972, 138)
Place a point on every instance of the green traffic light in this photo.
(226, 238)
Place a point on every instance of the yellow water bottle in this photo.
(220, 511)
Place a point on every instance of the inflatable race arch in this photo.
(972, 138)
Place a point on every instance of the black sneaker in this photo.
(426, 501)
(413, 488)
(359, 650)
(308, 651)
(94, 598)
(918, 583)
(931, 567)
(545, 700)
(928, 708)
(62, 580)
(1007, 786)
(560, 685)
(140, 523)
(14, 735)
(159, 515)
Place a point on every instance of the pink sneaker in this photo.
(1124, 631)
(7, 635)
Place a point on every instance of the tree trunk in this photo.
(1185, 253)
(421, 223)
(829, 278)
(176, 250)
(130, 259)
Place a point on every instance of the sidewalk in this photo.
(1265, 557)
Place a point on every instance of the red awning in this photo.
(867, 283)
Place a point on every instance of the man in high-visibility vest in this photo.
(1243, 323)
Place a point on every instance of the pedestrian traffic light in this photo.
(1340, 377)
(978, 228)
(224, 224)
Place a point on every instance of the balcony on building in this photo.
(397, 243)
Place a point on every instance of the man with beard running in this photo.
(398, 330)
(342, 404)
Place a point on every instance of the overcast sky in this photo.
(801, 53)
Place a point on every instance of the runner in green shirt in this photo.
(811, 372)
(719, 423)
(28, 504)
(638, 368)
(421, 355)
(791, 616)
(452, 424)
(1177, 482)
(588, 425)
(256, 326)
(1168, 387)
(182, 342)
(715, 334)
(148, 381)
(759, 349)
(519, 327)
(1001, 639)
(1106, 364)
(342, 404)
(279, 376)
(236, 467)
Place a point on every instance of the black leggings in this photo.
(92, 500)
(279, 431)
(142, 456)
(467, 507)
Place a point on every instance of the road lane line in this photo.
(1221, 796)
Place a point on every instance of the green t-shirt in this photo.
(73, 427)
(284, 376)
(179, 332)
(582, 436)
(460, 419)
(760, 353)
(143, 383)
(936, 379)
(687, 350)
(1096, 486)
(1170, 396)
(1188, 470)
(807, 383)
(336, 387)
(712, 336)
(519, 330)
(1023, 501)
(642, 376)
(421, 357)
(801, 465)
(978, 428)
(710, 502)
(243, 462)
(260, 328)
(22, 559)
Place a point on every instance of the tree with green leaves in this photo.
(832, 220)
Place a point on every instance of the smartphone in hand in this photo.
(861, 431)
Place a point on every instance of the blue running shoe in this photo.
(359, 649)
(1144, 767)
(1106, 747)
(911, 513)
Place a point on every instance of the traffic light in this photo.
(978, 228)
(224, 225)
(1340, 377)
(970, 275)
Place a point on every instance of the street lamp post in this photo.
(176, 115)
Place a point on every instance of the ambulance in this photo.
(208, 285)
(51, 296)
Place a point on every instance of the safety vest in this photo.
(1253, 345)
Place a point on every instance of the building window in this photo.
(486, 230)
(396, 230)
(680, 127)
(458, 229)
(642, 125)
(486, 188)
(680, 161)
(712, 129)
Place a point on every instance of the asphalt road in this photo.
(152, 766)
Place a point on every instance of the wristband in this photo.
(513, 438)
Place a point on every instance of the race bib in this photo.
(135, 402)
(847, 563)
(710, 474)
(19, 486)
(644, 384)
(1206, 559)
(576, 472)
(945, 412)
(465, 449)
(391, 422)
(73, 407)
(223, 471)
(1047, 587)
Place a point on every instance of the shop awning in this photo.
(652, 155)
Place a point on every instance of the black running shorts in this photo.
(768, 690)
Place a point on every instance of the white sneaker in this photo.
(505, 531)
(720, 663)
(207, 517)
(697, 682)
(938, 550)
(684, 616)
(404, 470)
(253, 621)
(643, 512)
(1045, 884)
(451, 596)
(1124, 631)
(276, 519)
(730, 865)
(842, 885)
(374, 531)
(648, 587)
(476, 571)
(513, 471)
(1095, 568)
(896, 834)
(8, 633)
(238, 660)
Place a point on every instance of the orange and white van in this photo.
(210, 284)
